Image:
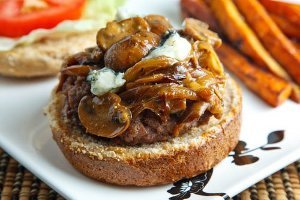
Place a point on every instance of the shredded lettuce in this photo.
(101, 9)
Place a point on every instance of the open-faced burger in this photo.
(149, 105)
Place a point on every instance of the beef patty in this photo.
(146, 128)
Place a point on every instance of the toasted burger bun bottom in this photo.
(187, 155)
(45, 56)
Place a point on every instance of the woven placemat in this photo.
(16, 182)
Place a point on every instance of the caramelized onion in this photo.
(202, 85)
(176, 105)
(155, 105)
(147, 66)
(116, 31)
(199, 31)
(164, 90)
(160, 107)
(104, 116)
(161, 99)
(191, 115)
(173, 74)
(216, 103)
(154, 78)
(207, 57)
(177, 92)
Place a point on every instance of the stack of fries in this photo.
(259, 43)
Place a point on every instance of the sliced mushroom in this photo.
(159, 24)
(116, 31)
(130, 50)
(96, 55)
(91, 56)
(104, 116)
(77, 59)
(74, 70)
(77, 70)
(199, 31)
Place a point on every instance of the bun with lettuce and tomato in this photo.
(37, 35)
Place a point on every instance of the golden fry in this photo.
(286, 27)
(200, 10)
(289, 11)
(270, 88)
(240, 34)
(296, 45)
(273, 39)
(295, 95)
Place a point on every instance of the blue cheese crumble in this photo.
(175, 47)
(105, 80)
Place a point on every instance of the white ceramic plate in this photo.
(24, 134)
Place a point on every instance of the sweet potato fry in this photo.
(296, 45)
(242, 36)
(288, 28)
(270, 88)
(289, 11)
(273, 39)
(295, 95)
(186, 14)
(200, 10)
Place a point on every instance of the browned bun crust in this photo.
(160, 163)
(44, 57)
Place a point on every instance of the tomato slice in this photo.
(14, 23)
